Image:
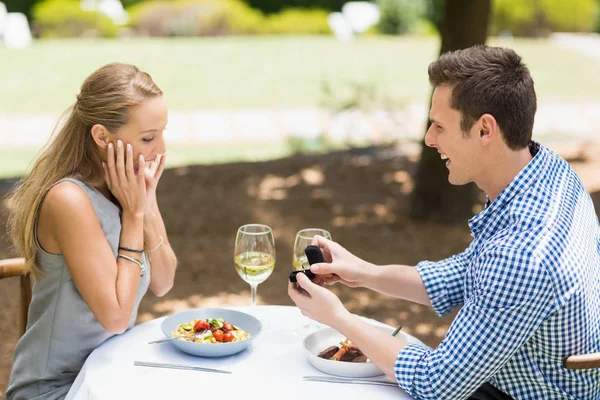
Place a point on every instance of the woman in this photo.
(87, 221)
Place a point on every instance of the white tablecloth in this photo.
(272, 367)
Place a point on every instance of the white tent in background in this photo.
(16, 33)
(356, 17)
(111, 8)
(2, 18)
(361, 15)
(340, 27)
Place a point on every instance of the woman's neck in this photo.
(103, 188)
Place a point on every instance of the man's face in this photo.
(460, 152)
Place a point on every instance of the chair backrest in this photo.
(12, 267)
(583, 361)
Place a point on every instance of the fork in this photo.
(192, 336)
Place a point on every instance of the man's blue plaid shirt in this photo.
(529, 287)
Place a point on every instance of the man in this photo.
(529, 283)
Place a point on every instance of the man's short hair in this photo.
(489, 80)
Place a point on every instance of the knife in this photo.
(349, 380)
(178, 366)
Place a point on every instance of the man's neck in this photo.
(503, 169)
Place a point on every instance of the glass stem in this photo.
(253, 294)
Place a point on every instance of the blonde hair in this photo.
(105, 98)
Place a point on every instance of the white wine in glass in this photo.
(254, 255)
(304, 238)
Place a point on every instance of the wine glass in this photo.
(254, 255)
(304, 238)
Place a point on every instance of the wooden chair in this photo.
(16, 267)
(583, 361)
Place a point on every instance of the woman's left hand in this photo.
(152, 174)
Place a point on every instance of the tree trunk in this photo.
(465, 24)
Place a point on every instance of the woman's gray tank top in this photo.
(61, 329)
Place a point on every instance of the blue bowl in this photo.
(242, 320)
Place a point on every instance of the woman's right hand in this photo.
(127, 187)
(340, 265)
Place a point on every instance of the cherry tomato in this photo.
(228, 337)
(227, 326)
(201, 325)
(218, 334)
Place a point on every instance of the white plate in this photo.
(318, 341)
(245, 321)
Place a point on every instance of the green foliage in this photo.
(598, 19)
(524, 18)
(273, 6)
(221, 17)
(570, 16)
(22, 6)
(435, 12)
(65, 18)
(131, 3)
(236, 16)
(400, 16)
(425, 27)
(515, 16)
(194, 18)
(297, 21)
(155, 18)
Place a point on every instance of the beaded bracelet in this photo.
(138, 262)
(130, 249)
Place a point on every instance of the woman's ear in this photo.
(101, 136)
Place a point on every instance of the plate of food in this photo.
(330, 352)
(211, 332)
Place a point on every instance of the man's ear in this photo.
(488, 128)
(101, 136)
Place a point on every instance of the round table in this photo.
(272, 367)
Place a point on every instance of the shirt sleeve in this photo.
(444, 281)
(512, 297)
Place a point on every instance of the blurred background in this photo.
(296, 114)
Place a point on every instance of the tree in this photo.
(465, 24)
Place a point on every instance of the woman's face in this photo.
(144, 130)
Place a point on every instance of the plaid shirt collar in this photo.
(520, 183)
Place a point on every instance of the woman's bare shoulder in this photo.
(66, 209)
(66, 199)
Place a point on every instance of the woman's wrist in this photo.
(151, 208)
(132, 216)
(132, 230)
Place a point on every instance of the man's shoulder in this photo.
(550, 206)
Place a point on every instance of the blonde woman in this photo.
(87, 221)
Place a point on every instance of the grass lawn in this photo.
(264, 71)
